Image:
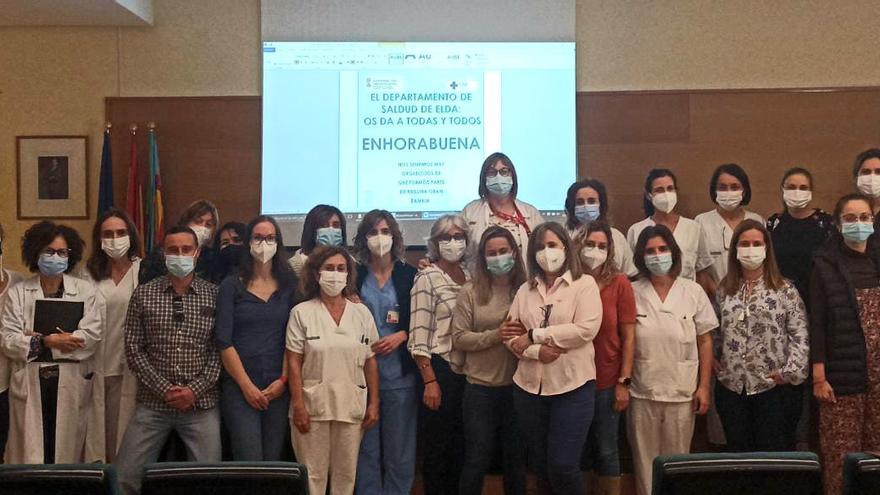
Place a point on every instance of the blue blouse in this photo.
(382, 303)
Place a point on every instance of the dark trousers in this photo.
(762, 422)
(442, 434)
(555, 428)
(489, 420)
(4, 422)
(49, 396)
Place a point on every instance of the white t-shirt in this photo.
(11, 278)
(666, 361)
(694, 253)
(717, 235)
(334, 385)
(116, 298)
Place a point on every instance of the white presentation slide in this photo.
(405, 127)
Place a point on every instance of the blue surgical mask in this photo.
(586, 213)
(499, 185)
(658, 264)
(501, 264)
(328, 236)
(179, 266)
(52, 265)
(857, 232)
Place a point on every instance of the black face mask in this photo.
(231, 255)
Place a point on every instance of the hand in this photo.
(254, 397)
(273, 391)
(372, 416)
(701, 400)
(64, 342)
(387, 345)
(621, 397)
(511, 329)
(180, 398)
(777, 378)
(520, 344)
(549, 353)
(301, 418)
(432, 396)
(823, 392)
(424, 263)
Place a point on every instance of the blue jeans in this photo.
(147, 432)
(390, 446)
(555, 428)
(253, 435)
(489, 419)
(603, 435)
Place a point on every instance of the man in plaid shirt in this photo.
(169, 343)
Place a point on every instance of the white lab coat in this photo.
(717, 236)
(76, 439)
(11, 279)
(479, 217)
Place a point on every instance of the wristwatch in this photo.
(626, 381)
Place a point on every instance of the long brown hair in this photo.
(281, 270)
(310, 283)
(98, 264)
(734, 278)
(607, 270)
(572, 259)
(483, 278)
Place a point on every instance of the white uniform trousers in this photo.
(657, 428)
(329, 450)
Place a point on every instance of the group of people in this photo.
(513, 334)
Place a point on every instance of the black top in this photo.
(795, 241)
(402, 275)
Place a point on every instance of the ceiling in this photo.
(76, 12)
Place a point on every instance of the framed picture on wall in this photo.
(53, 177)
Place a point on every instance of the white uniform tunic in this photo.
(717, 235)
(689, 237)
(75, 441)
(11, 278)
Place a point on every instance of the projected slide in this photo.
(406, 126)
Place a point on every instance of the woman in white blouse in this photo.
(673, 358)
(334, 379)
(557, 314)
(434, 295)
(113, 267)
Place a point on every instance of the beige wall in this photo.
(53, 80)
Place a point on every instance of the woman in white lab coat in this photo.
(8, 278)
(51, 404)
(333, 375)
(113, 268)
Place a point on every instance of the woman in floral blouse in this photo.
(764, 346)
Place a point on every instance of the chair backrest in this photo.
(58, 479)
(861, 474)
(760, 473)
(225, 478)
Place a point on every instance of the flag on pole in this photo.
(134, 195)
(105, 187)
(154, 207)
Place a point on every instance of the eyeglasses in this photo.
(852, 217)
(177, 313)
(454, 237)
(504, 172)
(269, 239)
(63, 252)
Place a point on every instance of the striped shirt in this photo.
(165, 349)
(433, 299)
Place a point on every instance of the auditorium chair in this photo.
(225, 478)
(861, 474)
(58, 479)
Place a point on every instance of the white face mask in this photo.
(332, 283)
(665, 201)
(751, 257)
(729, 200)
(452, 250)
(263, 251)
(116, 248)
(380, 244)
(202, 233)
(796, 198)
(593, 256)
(869, 185)
(550, 259)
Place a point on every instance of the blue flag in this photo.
(105, 187)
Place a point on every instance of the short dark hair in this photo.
(197, 209)
(310, 284)
(359, 246)
(489, 163)
(572, 258)
(183, 229)
(281, 270)
(639, 253)
(736, 171)
(841, 203)
(98, 263)
(654, 174)
(797, 171)
(862, 158)
(316, 218)
(571, 198)
(40, 235)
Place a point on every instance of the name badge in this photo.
(393, 317)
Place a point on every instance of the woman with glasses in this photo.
(498, 204)
(252, 313)
(52, 369)
(113, 267)
(845, 338)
